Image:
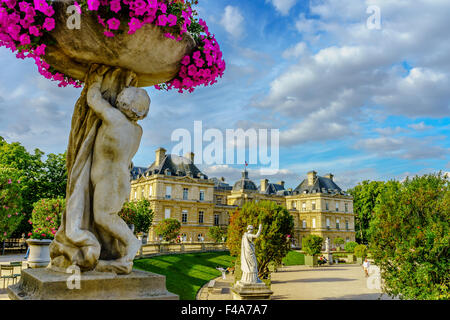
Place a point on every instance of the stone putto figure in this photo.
(249, 264)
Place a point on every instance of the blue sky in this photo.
(360, 103)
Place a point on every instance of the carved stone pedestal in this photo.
(251, 291)
(46, 284)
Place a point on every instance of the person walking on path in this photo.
(366, 265)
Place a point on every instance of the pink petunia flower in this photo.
(113, 23)
(49, 24)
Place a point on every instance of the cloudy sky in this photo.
(360, 100)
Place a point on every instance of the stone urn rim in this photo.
(153, 57)
(39, 241)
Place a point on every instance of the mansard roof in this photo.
(221, 185)
(320, 185)
(173, 165)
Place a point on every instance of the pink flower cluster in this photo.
(202, 67)
(20, 31)
(23, 23)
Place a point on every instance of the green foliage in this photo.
(217, 233)
(168, 229)
(11, 203)
(137, 213)
(38, 179)
(365, 197)
(273, 243)
(350, 246)
(339, 241)
(410, 238)
(46, 217)
(360, 251)
(294, 258)
(187, 273)
(312, 244)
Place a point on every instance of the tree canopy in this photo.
(273, 244)
(410, 238)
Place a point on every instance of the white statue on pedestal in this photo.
(249, 264)
(327, 245)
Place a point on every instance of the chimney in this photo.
(329, 176)
(311, 177)
(264, 183)
(160, 155)
(281, 183)
(190, 156)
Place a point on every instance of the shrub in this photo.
(217, 233)
(273, 244)
(137, 213)
(46, 217)
(350, 246)
(168, 229)
(410, 238)
(11, 204)
(312, 244)
(361, 251)
(339, 241)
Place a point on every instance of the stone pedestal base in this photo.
(46, 284)
(251, 291)
(330, 258)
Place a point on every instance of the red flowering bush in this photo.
(46, 218)
(10, 202)
(24, 24)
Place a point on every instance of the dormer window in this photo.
(167, 172)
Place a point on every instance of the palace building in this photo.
(176, 188)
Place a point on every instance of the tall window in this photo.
(218, 200)
(150, 191)
(216, 219)
(200, 217)
(304, 206)
(328, 223)
(184, 216)
(142, 193)
(337, 224)
(168, 192)
(346, 207)
(202, 195)
(294, 205)
(327, 207)
(337, 206)
(313, 205)
(135, 194)
(346, 225)
(167, 213)
(304, 224)
(185, 193)
(313, 222)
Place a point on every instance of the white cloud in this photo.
(283, 6)
(232, 21)
(421, 126)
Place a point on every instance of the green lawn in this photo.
(186, 273)
(294, 258)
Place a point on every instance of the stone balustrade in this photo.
(161, 248)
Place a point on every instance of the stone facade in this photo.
(177, 189)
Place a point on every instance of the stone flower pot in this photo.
(152, 56)
(351, 258)
(39, 256)
(311, 260)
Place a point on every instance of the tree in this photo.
(360, 251)
(410, 238)
(137, 213)
(350, 246)
(217, 233)
(365, 197)
(11, 204)
(168, 229)
(144, 216)
(46, 217)
(273, 244)
(312, 244)
(339, 241)
(38, 179)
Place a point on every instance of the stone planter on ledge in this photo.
(39, 253)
